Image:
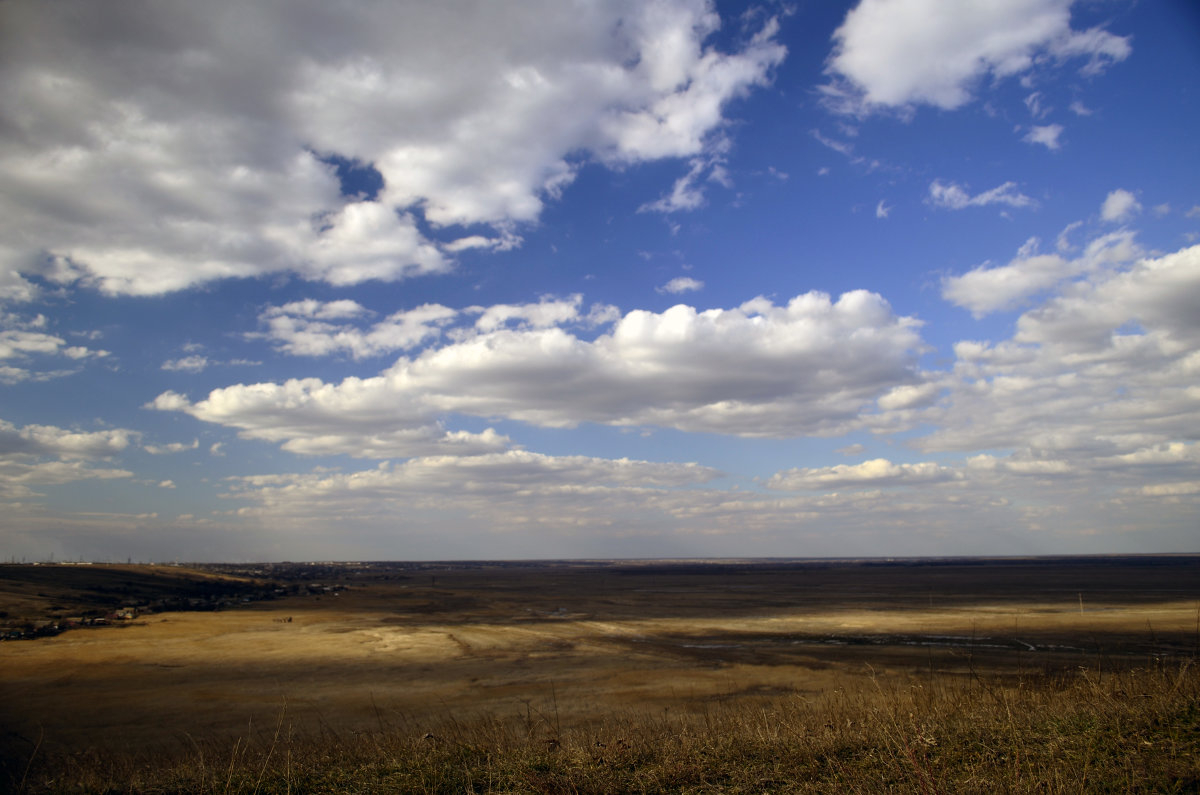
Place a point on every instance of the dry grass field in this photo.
(552, 651)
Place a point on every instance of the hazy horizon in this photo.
(519, 562)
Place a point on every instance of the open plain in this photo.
(407, 647)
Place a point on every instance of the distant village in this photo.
(82, 594)
(217, 594)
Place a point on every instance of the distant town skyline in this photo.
(462, 280)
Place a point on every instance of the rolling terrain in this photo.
(339, 651)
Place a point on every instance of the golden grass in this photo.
(339, 661)
(1133, 731)
(936, 679)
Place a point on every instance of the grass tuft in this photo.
(1131, 731)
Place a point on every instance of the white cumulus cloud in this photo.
(1120, 205)
(902, 53)
(1106, 366)
(313, 328)
(48, 440)
(760, 369)
(35, 455)
(989, 289)
(216, 131)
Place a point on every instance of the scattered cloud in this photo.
(882, 210)
(359, 417)
(173, 447)
(1034, 103)
(494, 472)
(869, 474)
(44, 455)
(1100, 47)
(934, 52)
(952, 196)
(187, 364)
(1171, 489)
(19, 478)
(48, 440)
(688, 191)
(686, 195)
(314, 328)
(14, 343)
(1063, 241)
(22, 342)
(546, 313)
(514, 490)
(909, 396)
(1120, 205)
(1046, 135)
(681, 284)
(841, 147)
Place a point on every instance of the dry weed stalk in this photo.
(1132, 730)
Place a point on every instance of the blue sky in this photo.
(280, 280)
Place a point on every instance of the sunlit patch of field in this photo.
(571, 647)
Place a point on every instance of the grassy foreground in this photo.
(1083, 731)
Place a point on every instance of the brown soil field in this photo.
(410, 646)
